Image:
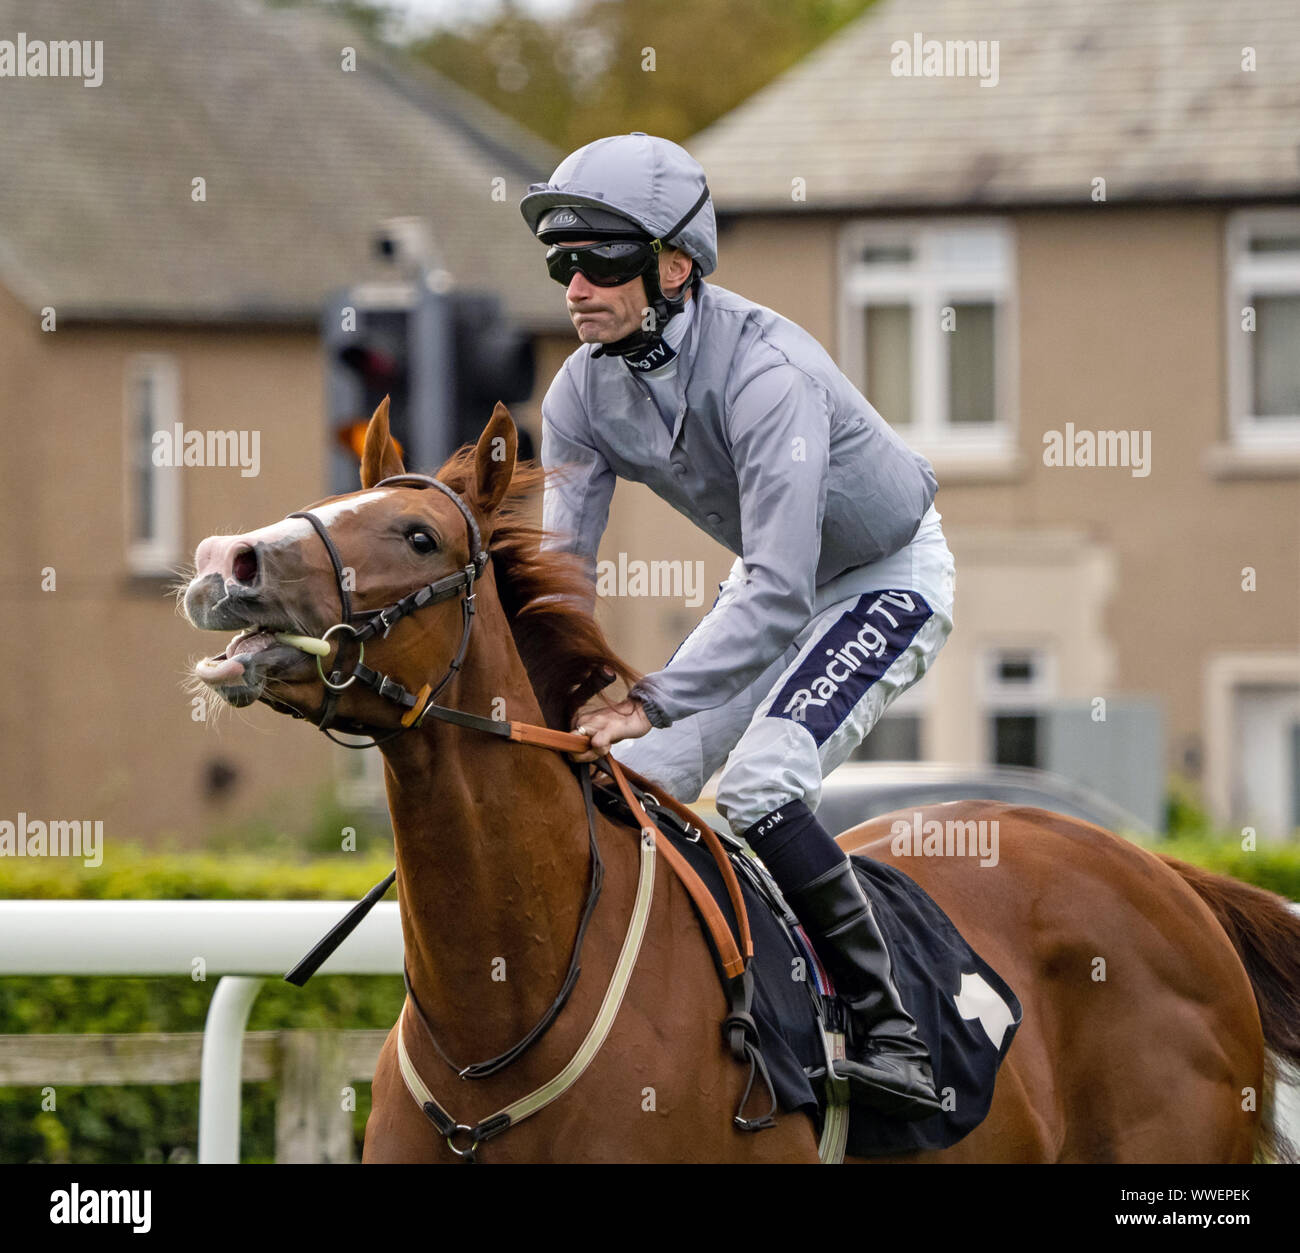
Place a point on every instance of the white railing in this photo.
(242, 942)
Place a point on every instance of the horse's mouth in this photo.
(239, 675)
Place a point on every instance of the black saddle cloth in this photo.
(965, 1012)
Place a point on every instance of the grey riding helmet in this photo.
(630, 186)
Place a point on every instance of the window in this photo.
(927, 332)
(898, 733)
(1266, 791)
(1017, 684)
(896, 737)
(1263, 252)
(359, 781)
(153, 496)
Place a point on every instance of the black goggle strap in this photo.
(657, 245)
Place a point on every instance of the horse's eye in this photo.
(422, 542)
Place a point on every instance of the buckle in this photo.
(668, 818)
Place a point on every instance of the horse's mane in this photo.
(544, 595)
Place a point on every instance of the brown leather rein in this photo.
(733, 952)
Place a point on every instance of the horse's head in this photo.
(281, 589)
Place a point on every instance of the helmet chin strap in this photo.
(646, 350)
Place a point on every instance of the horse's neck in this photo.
(492, 856)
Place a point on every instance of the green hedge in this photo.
(160, 1123)
(1272, 866)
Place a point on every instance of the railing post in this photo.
(219, 1069)
(311, 1123)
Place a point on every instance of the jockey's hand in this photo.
(607, 724)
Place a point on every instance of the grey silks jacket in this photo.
(774, 453)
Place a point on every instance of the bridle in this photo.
(731, 955)
(378, 622)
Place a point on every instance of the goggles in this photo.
(606, 263)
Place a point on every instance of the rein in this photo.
(732, 957)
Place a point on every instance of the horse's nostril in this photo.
(244, 566)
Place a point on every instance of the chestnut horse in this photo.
(1144, 982)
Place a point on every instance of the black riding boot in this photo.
(894, 1075)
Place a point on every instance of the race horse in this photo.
(1156, 996)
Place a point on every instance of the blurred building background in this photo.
(1107, 240)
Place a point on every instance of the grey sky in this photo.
(423, 14)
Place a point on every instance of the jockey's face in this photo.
(603, 315)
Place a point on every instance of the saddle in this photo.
(965, 1012)
(783, 1017)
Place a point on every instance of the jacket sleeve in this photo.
(779, 430)
(579, 483)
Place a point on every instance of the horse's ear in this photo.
(494, 459)
(380, 459)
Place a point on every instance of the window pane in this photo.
(1295, 776)
(1015, 740)
(145, 523)
(970, 365)
(1276, 364)
(1275, 243)
(889, 362)
(896, 737)
(1013, 669)
(887, 254)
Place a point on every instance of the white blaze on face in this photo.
(216, 554)
(977, 1000)
(293, 530)
(335, 509)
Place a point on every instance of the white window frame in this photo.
(996, 696)
(359, 784)
(1223, 678)
(1249, 275)
(927, 285)
(912, 702)
(158, 554)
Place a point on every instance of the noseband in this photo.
(364, 625)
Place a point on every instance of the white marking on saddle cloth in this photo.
(977, 1000)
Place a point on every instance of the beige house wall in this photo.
(1133, 583)
(97, 722)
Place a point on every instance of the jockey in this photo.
(842, 592)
